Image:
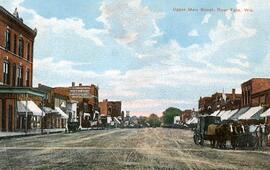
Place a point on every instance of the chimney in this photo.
(233, 94)
(73, 84)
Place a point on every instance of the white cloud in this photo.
(129, 21)
(240, 60)
(193, 33)
(206, 18)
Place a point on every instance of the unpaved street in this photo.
(149, 148)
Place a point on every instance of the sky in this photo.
(149, 54)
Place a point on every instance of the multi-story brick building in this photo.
(256, 92)
(220, 101)
(205, 104)
(16, 72)
(112, 108)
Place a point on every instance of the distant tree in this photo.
(142, 120)
(154, 120)
(169, 114)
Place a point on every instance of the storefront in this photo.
(17, 110)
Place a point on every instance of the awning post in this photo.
(26, 114)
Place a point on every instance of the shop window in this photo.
(21, 47)
(7, 40)
(6, 72)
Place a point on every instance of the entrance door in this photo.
(10, 119)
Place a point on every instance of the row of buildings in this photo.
(255, 92)
(23, 106)
(252, 103)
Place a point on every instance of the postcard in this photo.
(134, 84)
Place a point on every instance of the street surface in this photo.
(148, 148)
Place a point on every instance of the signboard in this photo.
(80, 92)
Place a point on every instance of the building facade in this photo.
(110, 108)
(220, 101)
(256, 92)
(16, 68)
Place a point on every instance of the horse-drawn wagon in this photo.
(201, 132)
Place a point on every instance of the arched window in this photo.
(21, 47)
(7, 39)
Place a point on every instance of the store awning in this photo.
(193, 120)
(49, 110)
(266, 113)
(228, 115)
(251, 113)
(215, 113)
(239, 113)
(224, 114)
(32, 108)
(60, 111)
(221, 113)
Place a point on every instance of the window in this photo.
(19, 76)
(7, 40)
(15, 44)
(28, 51)
(6, 72)
(28, 77)
(21, 47)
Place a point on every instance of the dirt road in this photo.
(149, 148)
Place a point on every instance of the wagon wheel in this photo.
(201, 141)
(196, 139)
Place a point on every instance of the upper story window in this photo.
(28, 77)
(21, 47)
(19, 76)
(7, 39)
(28, 51)
(6, 72)
(15, 44)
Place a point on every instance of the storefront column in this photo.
(26, 114)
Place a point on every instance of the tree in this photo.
(153, 120)
(169, 114)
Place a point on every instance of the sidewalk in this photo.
(5, 135)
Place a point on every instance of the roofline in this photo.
(6, 12)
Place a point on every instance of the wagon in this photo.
(200, 131)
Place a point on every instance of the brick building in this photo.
(55, 106)
(205, 104)
(16, 72)
(256, 92)
(186, 115)
(220, 101)
(16, 50)
(112, 108)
